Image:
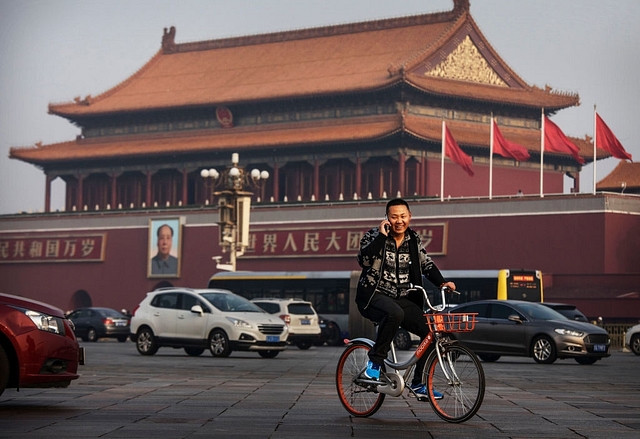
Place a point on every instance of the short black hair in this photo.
(396, 202)
(164, 225)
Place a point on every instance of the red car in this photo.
(37, 345)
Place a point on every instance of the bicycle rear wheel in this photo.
(359, 399)
(462, 385)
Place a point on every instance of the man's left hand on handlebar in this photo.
(450, 286)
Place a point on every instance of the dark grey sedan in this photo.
(94, 323)
(529, 329)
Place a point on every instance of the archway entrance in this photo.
(80, 299)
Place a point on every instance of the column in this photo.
(47, 193)
(316, 179)
(148, 192)
(401, 174)
(276, 184)
(114, 190)
(185, 174)
(80, 202)
(358, 177)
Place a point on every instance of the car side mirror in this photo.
(515, 318)
(197, 309)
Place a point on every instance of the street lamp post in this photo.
(234, 204)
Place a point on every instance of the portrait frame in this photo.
(157, 267)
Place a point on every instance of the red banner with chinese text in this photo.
(53, 248)
(307, 242)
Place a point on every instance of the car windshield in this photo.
(231, 303)
(536, 311)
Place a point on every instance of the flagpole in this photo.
(595, 142)
(542, 155)
(491, 160)
(442, 165)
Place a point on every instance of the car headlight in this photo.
(239, 323)
(571, 332)
(45, 322)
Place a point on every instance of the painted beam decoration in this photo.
(53, 248)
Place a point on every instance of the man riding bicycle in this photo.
(393, 258)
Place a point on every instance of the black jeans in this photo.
(390, 314)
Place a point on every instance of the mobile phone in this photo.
(387, 227)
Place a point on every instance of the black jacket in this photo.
(371, 257)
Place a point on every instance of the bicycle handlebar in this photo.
(443, 290)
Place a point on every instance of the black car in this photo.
(94, 323)
(569, 311)
(530, 329)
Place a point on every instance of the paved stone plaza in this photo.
(171, 395)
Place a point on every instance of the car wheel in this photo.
(146, 342)
(635, 344)
(194, 352)
(219, 343)
(402, 340)
(92, 335)
(4, 370)
(304, 345)
(333, 334)
(122, 338)
(544, 351)
(586, 360)
(268, 354)
(489, 358)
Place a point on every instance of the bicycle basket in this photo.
(452, 322)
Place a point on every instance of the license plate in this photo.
(273, 338)
(121, 323)
(599, 348)
(305, 322)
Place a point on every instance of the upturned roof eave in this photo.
(518, 97)
(364, 129)
(75, 116)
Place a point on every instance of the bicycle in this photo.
(451, 369)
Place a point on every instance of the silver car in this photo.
(530, 329)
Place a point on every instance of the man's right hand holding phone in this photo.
(385, 227)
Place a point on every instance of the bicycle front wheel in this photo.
(460, 378)
(360, 399)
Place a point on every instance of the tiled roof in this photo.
(239, 139)
(625, 175)
(321, 61)
(530, 96)
(282, 135)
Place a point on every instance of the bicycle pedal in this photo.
(421, 398)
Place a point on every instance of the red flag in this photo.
(555, 140)
(506, 148)
(608, 141)
(453, 151)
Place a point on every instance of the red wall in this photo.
(583, 255)
(506, 180)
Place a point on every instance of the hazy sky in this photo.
(52, 51)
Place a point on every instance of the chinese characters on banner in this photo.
(329, 242)
(53, 248)
(302, 242)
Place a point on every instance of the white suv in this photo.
(205, 318)
(300, 317)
